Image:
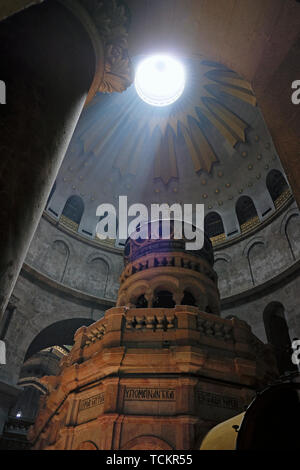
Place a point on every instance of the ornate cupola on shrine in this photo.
(160, 272)
(162, 367)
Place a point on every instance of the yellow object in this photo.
(224, 435)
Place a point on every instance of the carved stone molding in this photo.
(106, 22)
(112, 19)
(118, 74)
(109, 20)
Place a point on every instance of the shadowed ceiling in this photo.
(237, 33)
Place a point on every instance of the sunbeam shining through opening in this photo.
(160, 80)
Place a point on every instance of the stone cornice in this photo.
(226, 302)
(262, 289)
(77, 236)
(238, 238)
(219, 247)
(62, 290)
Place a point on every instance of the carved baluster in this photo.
(200, 324)
(227, 332)
(130, 323)
(178, 296)
(170, 260)
(160, 321)
(170, 321)
(99, 331)
(151, 322)
(140, 323)
(149, 297)
(209, 330)
(219, 330)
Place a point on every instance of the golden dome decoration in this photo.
(136, 124)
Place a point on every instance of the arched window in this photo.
(141, 302)
(213, 225)
(278, 335)
(164, 299)
(73, 209)
(246, 213)
(56, 334)
(188, 299)
(276, 184)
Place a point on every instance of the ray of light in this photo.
(119, 123)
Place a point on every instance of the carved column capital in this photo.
(178, 296)
(107, 22)
(149, 296)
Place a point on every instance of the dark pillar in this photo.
(47, 62)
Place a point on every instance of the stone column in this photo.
(178, 296)
(47, 64)
(52, 57)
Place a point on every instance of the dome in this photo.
(210, 147)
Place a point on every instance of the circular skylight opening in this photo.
(160, 80)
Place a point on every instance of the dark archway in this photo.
(213, 225)
(188, 299)
(245, 210)
(276, 184)
(73, 209)
(208, 309)
(164, 299)
(141, 302)
(57, 334)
